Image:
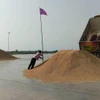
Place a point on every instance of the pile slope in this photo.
(6, 56)
(68, 66)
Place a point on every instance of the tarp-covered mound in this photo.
(6, 56)
(68, 66)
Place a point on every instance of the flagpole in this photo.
(42, 37)
(8, 41)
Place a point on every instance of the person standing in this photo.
(38, 55)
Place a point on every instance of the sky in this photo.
(62, 27)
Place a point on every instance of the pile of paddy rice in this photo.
(6, 56)
(67, 66)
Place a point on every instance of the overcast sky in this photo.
(62, 28)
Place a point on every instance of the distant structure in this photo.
(90, 39)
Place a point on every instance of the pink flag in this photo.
(42, 12)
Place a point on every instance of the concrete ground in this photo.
(14, 86)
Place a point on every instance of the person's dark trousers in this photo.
(32, 63)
